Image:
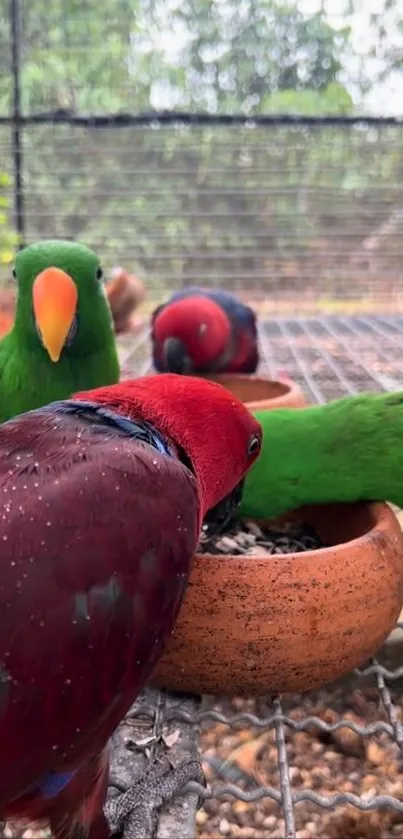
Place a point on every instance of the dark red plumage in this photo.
(98, 529)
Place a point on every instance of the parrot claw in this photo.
(134, 812)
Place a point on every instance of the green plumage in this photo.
(28, 378)
(348, 450)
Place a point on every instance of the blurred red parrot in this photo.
(103, 497)
(204, 331)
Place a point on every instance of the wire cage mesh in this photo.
(293, 211)
(303, 214)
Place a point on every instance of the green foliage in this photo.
(237, 54)
(74, 55)
(223, 203)
(332, 100)
(96, 56)
(8, 238)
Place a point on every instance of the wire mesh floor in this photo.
(324, 764)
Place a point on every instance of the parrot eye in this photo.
(254, 444)
(14, 273)
(99, 275)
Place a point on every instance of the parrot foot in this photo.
(134, 813)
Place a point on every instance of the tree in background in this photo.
(74, 55)
(8, 238)
(211, 55)
(94, 55)
(224, 56)
(197, 203)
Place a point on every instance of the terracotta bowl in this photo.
(261, 625)
(260, 394)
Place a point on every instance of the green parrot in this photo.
(347, 450)
(62, 339)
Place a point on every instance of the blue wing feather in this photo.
(53, 783)
(237, 311)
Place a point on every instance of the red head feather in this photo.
(199, 324)
(217, 432)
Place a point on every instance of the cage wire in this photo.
(303, 214)
(292, 211)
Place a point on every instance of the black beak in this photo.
(218, 518)
(176, 358)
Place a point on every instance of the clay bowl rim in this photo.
(288, 384)
(385, 521)
(292, 390)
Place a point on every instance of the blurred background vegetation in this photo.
(283, 208)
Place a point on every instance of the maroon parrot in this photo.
(204, 331)
(102, 500)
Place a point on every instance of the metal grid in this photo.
(294, 214)
(272, 209)
(300, 208)
(330, 357)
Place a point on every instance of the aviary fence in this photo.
(284, 208)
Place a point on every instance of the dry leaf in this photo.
(171, 739)
(146, 741)
(245, 755)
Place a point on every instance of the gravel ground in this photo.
(326, 763)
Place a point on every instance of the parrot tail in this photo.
(83, 817)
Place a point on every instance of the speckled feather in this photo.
(243, 354)
(107, 596)
(98, 529)
(28, 378)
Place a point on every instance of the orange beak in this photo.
(54, 299)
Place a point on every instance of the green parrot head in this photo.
(61, 303)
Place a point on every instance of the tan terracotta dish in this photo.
(259, 625)
(259, 393)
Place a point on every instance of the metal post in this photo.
(16, 120)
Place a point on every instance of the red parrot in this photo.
(102, 500)
(201, 331)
